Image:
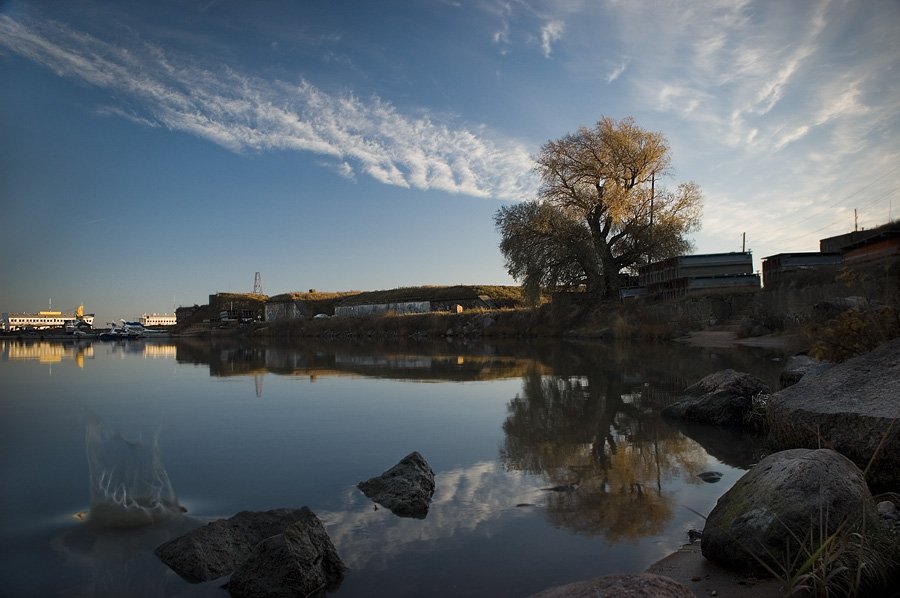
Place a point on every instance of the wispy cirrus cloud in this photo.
(247, 113)
(785, 99)
(551, 32)
(617, 71)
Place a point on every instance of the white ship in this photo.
(43, 320)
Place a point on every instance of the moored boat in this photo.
(118, 333)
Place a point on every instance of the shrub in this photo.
(854, 332)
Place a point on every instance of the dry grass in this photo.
(505, 295)
(854, 332)
(851, 561)
(313, 296)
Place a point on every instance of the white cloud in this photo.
(783, 112)
(121, 113)
(791, 136)
(617, 71)
(343, 169)
(245, 113)
(551, 32)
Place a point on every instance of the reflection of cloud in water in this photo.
(465, 500)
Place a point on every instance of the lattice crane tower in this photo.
(257, 284)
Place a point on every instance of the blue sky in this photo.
(152, 153)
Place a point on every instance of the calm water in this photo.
(255, 427)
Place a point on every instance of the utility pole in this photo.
(855, 221)
(744, 243)
(652, 196)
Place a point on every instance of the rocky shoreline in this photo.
(801, 499)
(800, 505)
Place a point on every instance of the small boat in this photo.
(141, 330)
(79, 329)
(118, 333)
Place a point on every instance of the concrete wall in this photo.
(287, 310)
(380, 309)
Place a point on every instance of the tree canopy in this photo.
(601, 211)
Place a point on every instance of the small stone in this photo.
(887, 509)
(710, 477)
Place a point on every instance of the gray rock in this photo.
(632, 585)
(217, 548)
(852, 407)
(887, 510)
(722, 398)
(799, 366)
(406, 488)
(787, 496)
(297, 562)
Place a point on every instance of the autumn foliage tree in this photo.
(600, 212)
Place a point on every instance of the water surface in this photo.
(245, 426)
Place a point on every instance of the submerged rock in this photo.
(786, 499)
(852, 407)
(217, 548)
(710, 477)
(631, 585)
(723, 398)
(406, 488)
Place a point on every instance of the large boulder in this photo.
(217, 548)
(631, 585)
(406, 488)
(852, 407)
(723, 398)
(298, 562)
(781, 505)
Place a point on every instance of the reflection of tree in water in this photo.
(596, 434)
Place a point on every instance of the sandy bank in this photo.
(704, 578)
(724, 339)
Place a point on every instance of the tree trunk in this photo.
(610, 278)
(595, 283)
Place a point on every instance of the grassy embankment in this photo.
(841, 317)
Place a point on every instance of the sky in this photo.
(153, 153)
